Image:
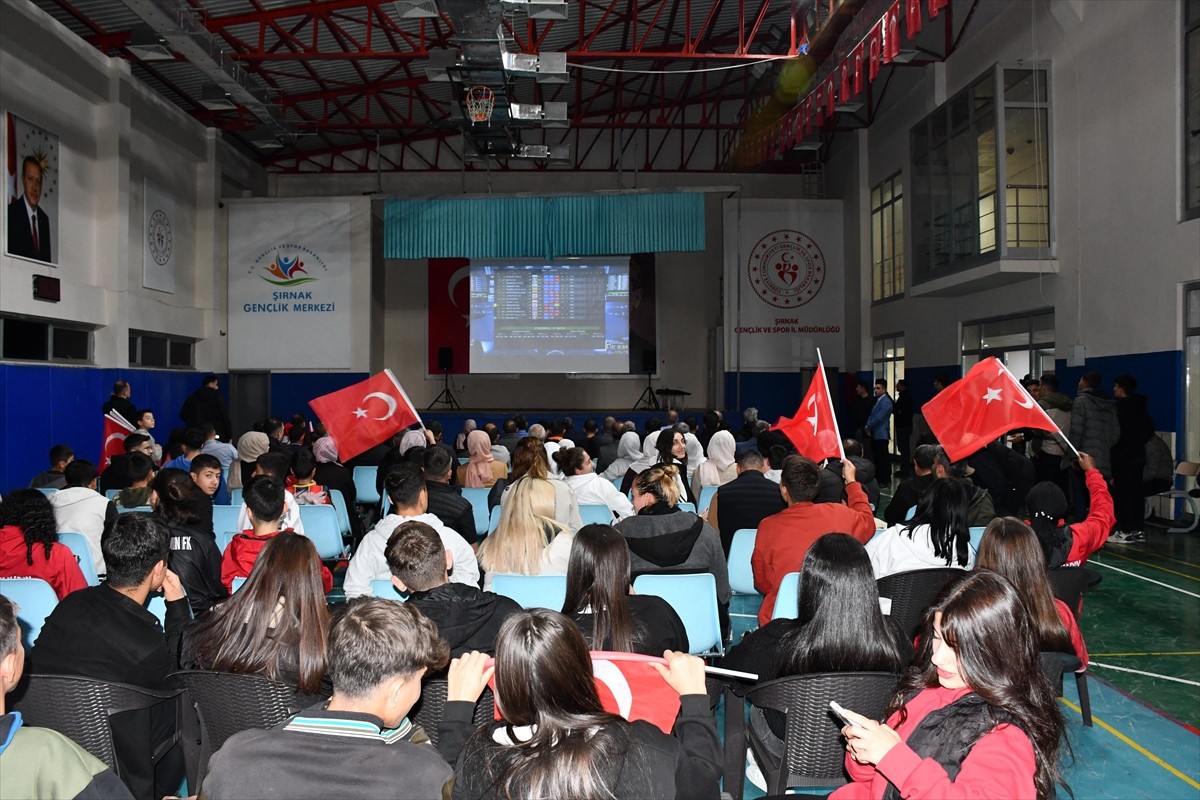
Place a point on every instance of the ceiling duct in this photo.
(148, 45)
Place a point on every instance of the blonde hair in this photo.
(526, 519)
(660, 482)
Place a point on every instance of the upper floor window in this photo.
(160, 350)
(33, 339)
(980, 185)
(1191, 109)
(887, 238)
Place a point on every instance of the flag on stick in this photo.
(987, 403)
(365, 414)
(116, 428)
(814, 429)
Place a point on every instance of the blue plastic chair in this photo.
(478, 498)
(686, 506)
(224, 538)
(35, 599)
(321, 527)
(706, 496)
(46, 490)
(787, 604)
(130, 510)
(235, 496)
(976, 537)
(111, 494)
(694, 598)
(157, 606)
(78, 544)
(364, 485)
(383, 588)
(225, 518)
(533, 591)
(595, 514)
(912, 512)
(343, 512)
(236, 584)
(493, 520)
(741, 574)
(617, 481)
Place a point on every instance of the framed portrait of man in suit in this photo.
(32, 171)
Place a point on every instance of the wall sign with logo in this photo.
(785, 279)
(290, 285)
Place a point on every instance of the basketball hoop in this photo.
(480, 102)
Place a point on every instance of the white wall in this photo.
(114, 133)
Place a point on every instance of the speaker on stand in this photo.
(648, 400)
(445, 364)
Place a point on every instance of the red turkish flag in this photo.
(987, 403)
(874, 50)
(630, 688)
(912, 17)
(935, 6)
(814, 429)
(365, 414)
(891, 32)
(116, 428)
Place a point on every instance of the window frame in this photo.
(169, 341)
(1032, 347)
(887, 244)
(891, 369)
(1190, 103)
(51, 326)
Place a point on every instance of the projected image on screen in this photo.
(570, 316)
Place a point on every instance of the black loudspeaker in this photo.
(649, 359)
(445, 359)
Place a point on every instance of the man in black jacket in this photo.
(105, 632)
(120, 402)
(467, 618)
(445, 501)
(746, 500)
(205, 405)
(910, 490)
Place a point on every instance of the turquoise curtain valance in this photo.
(547, 227)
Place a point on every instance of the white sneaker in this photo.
(1126, 537)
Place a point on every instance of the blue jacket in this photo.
(881, 414)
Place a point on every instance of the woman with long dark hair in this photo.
(579, 472)
(29, 545)
(973, 717)
(936, 536)
(1011, 548)
(603, 605)
(839, 627)
(194, 555)
(556, 740)
(276, 625)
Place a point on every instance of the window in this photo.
(33, 339)
(1025, 344)
(888, 363)
(887, 238)
(1191, 109)
(160, 350)
(980, 186)
(1191, 371)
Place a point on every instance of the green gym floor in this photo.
(1142, 626)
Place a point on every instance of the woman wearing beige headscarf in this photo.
(720, 466)
(252, 445)
(482, 470)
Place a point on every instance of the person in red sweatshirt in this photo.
(1070, 545)
(784, 538)
(974, 716)
(29, 545)
(263, 497)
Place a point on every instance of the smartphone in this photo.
(841, 713)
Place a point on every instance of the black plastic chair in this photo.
(226, 703)
(813, 750)
(913, 592)
(1070, 584)
(427, 712)
(82, 709)
(1054, 666)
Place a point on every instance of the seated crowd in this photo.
(972, 715)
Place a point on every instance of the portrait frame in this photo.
(24, 140)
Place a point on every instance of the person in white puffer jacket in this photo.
(579, 472)
(79, 507)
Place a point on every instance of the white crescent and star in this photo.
(992, 394)
(812, 403)
(360, 412)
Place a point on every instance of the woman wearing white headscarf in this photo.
(252, 445)
(629, 448)
(413, 439)
(647, 459)
(720, 467)
(460, 441)
(695, 454)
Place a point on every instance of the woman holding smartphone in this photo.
(974, 717)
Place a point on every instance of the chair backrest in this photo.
(236, 584)
(1071, 583)
(478, 498)
(686, 506)
(595, 514)
(225, 518)
(228, 703)
(428, 710)
(814, 750)
(976, 535)
(364, 485)
(706, 496)
(741, 575)
(912, 512)
(77, 543)
(235, 496)
(343, 512)
(35, 599)
(1054, 665)
(617, 481)
(156, 604)
(787, 600)
(533, 591)
(493, 520)
(131, 509)
(46, 490)
(912, 592)
(111, 494)
(81, 709)
(382, 587)
(694, 598)
(321, 526)
(224, 538)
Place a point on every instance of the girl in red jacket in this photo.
(29, 545)
(974, 717)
